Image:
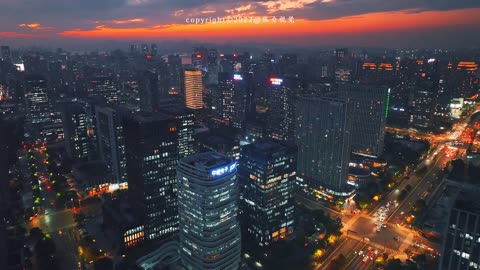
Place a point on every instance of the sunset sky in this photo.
(389, 23)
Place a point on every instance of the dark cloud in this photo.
(342, 8)
(60, 15)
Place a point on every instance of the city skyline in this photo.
(376, 23)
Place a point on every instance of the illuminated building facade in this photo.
(36, 98)
(343, 75)
(234, 99)
(207, 206)
(104, 86)
(463, 79)
(323, 136)
(186, 141)
(281, 97)
(193, 89)
(369, 115)
(422, 104)
(461, 245)
(151, 144)
(79, 143)
(111, 144)
(267, 173)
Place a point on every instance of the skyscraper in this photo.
(111, 142)
(423, 96)
(267, 173)
(193, 89)
(103, 86)
(149, 94)
(78, 141)
(234, 98)
(323, 137)
(207, 206)
(176, 110)
(281, 100)
(36, 99)
(151, 144)
(369, 115)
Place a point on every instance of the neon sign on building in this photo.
(237, 77)
(276, 81)
(224, 170)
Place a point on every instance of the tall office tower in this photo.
(267, 173)
(207, 206)
(234, 98)
(149, 94)
(36, 99)
(103, 86)
(323, 136)
(174, 66)
(422, 103)
(250, 105)
(176, 110)
(193, 89)
(281, 98)
(461, 245)
(212, 69)
(111, 143)
(78, 142)
(370, 110)
(151, 146)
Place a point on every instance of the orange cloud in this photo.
(239, 9)
(19, 35)
(135, 20)
(366, 23)
(282, 5)
(178, 13)
(34, 26)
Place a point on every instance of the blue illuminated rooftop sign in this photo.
(223, 170)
